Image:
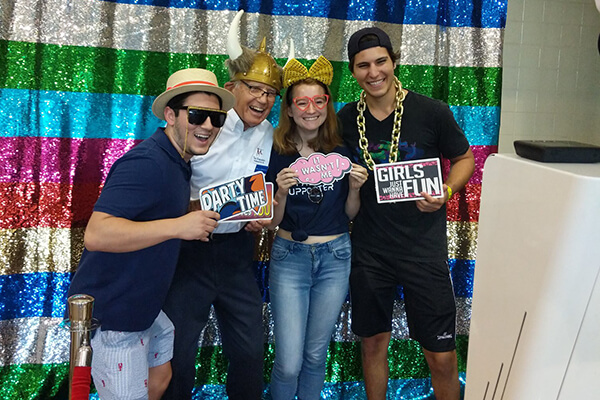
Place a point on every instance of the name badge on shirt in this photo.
(260, 157)
(404, 181)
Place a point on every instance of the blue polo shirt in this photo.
(149, 182)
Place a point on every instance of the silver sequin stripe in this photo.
(46, 341)
(33, 341)
(211, 335)
(93, 23)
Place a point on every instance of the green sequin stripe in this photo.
(456, 86)
(38, 66)
(343, 362)
(34, 381)
(45, 381)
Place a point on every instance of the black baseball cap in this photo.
(381, 39)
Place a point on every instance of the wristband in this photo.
(449, 192)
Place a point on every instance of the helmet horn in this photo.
(234, 49)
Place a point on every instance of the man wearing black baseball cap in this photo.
(402, 243)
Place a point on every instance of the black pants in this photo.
(219, 272)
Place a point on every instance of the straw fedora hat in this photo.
(191, 80)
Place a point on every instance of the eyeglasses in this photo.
(315, 194)
(319, 101)
(198, 115)
(258, 92)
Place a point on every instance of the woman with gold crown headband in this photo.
(310, 259)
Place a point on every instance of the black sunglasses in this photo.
(197, 116)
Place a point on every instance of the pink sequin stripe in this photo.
(464, 205)
(59, 160)
(480, 153)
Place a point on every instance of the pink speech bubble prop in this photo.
(321, 168)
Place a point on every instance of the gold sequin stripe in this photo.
(32, 250)
(262, 244)
(462, 240)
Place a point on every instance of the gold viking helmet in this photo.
(244, 63)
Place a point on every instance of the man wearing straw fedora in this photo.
(220, 272)
(133, 238)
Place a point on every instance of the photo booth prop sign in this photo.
(264, 212)
(248, 198)
(320, 168)
(404, 181)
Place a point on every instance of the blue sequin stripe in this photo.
(457, 13)
(40, 113)
(414, 389)
(44, 294)
(40, 294)
(462, 272)
(32, 113)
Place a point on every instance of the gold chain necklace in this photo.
(363, 142)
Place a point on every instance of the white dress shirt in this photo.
(235, 153)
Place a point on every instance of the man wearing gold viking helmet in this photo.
(219, 271)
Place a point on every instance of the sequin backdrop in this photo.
(77, 79)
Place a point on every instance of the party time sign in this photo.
(320, 168)
(404, 181)
(263, 212)
(244, 199)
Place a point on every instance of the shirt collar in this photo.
(235, 123)
(163, 141)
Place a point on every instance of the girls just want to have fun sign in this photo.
(406, 180)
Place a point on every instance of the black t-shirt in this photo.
(428, 130)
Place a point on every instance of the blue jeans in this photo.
(308, 285)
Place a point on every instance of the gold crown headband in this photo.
(294, 71)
